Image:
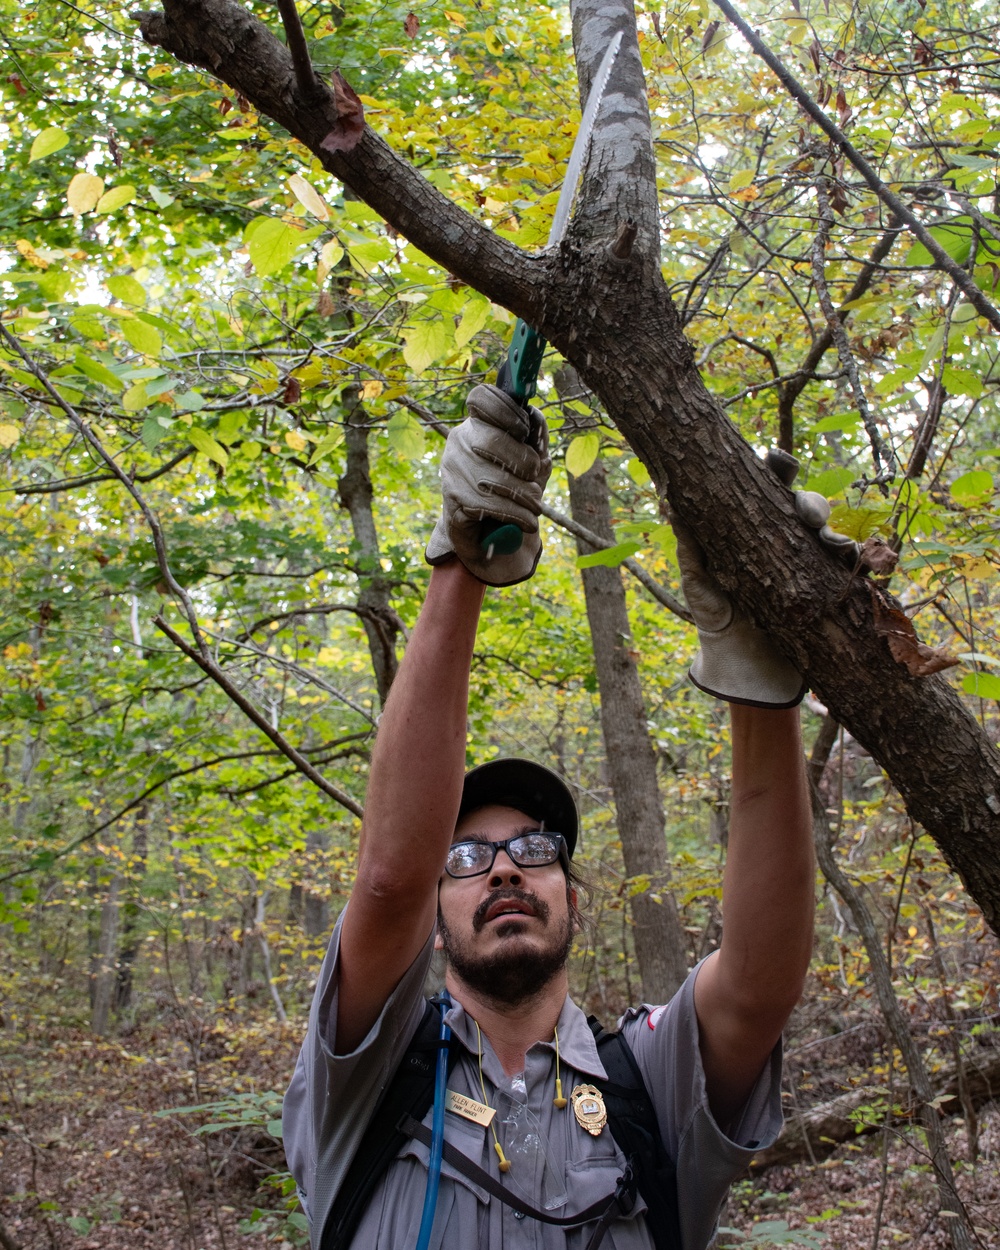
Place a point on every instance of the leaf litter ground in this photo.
(87, 1163)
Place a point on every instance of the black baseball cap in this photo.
(531, 788)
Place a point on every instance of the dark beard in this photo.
(508, 978)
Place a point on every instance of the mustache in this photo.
(510, 894)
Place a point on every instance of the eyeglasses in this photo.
(527, 850)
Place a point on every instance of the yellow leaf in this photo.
(116, 198)
(83, 192)
(48, 141)
(30, 255)
(329, 254)
(372, 389)
(308, 197)
(582, 452)
(9, 434)
(456, 18)
(295, 440)
(135, 398)
(746, 195)
(742, 178)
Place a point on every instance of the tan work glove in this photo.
(738, 661)
(494, 469)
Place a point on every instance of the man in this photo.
(471, 866)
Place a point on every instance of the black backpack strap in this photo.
(633, 1125)
(409, 1093)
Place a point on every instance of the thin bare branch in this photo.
(885, 469)
(805, 101)
(305, 75)
(200, 652)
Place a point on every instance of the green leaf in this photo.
(97, 372)
(961, 382)
(638, 472)
(272, 243)
(46, 142)
(955, 238)
(79, 1224)
(611, 556)
(983, 685)
(202, 441)
(116, 198)
(326, 445)
(161, 198)
(144, 338)
(474, 316)
(742, 178)
(846, 421)
(426, 342)
(859, 523)
(189, 401)
(152, 432)
(972, 487)
(125, 288)
(832, 482)
(406, 435)
(274, 1128)
(582, 452)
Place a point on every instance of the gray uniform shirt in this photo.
(555, 1163)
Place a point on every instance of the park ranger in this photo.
(481, 868)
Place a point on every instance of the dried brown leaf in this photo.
(411, 24)
(350, 124)
(895, 626)
(293, 391)
(877, 555)
(325, 305)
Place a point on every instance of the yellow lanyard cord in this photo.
(504, 1161)
(559, 1101)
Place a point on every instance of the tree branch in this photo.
(304, 73)
(802, 97)
(618, 195)
(284, 746)
(199, 652)
(793, 388)
(222, 37)
(885, 469)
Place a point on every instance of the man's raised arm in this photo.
(495, 466)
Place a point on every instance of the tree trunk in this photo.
(380, 622)
(131, 937)
(659, 938)
(613, 318)
(105, 975)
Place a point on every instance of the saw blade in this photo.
(578, 156)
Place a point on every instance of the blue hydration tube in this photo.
(437, 1128)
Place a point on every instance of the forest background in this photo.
(196, 651)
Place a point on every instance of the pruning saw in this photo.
(518, 375)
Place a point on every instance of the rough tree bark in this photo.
(612, 317)
(659, 938)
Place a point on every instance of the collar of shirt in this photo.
(577, 1048)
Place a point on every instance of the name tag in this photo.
(468, 1108)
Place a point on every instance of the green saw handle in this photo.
(518, 378)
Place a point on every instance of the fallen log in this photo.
(823, 1128)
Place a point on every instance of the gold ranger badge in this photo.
(589, 1108)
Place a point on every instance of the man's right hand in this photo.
(494, 469)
